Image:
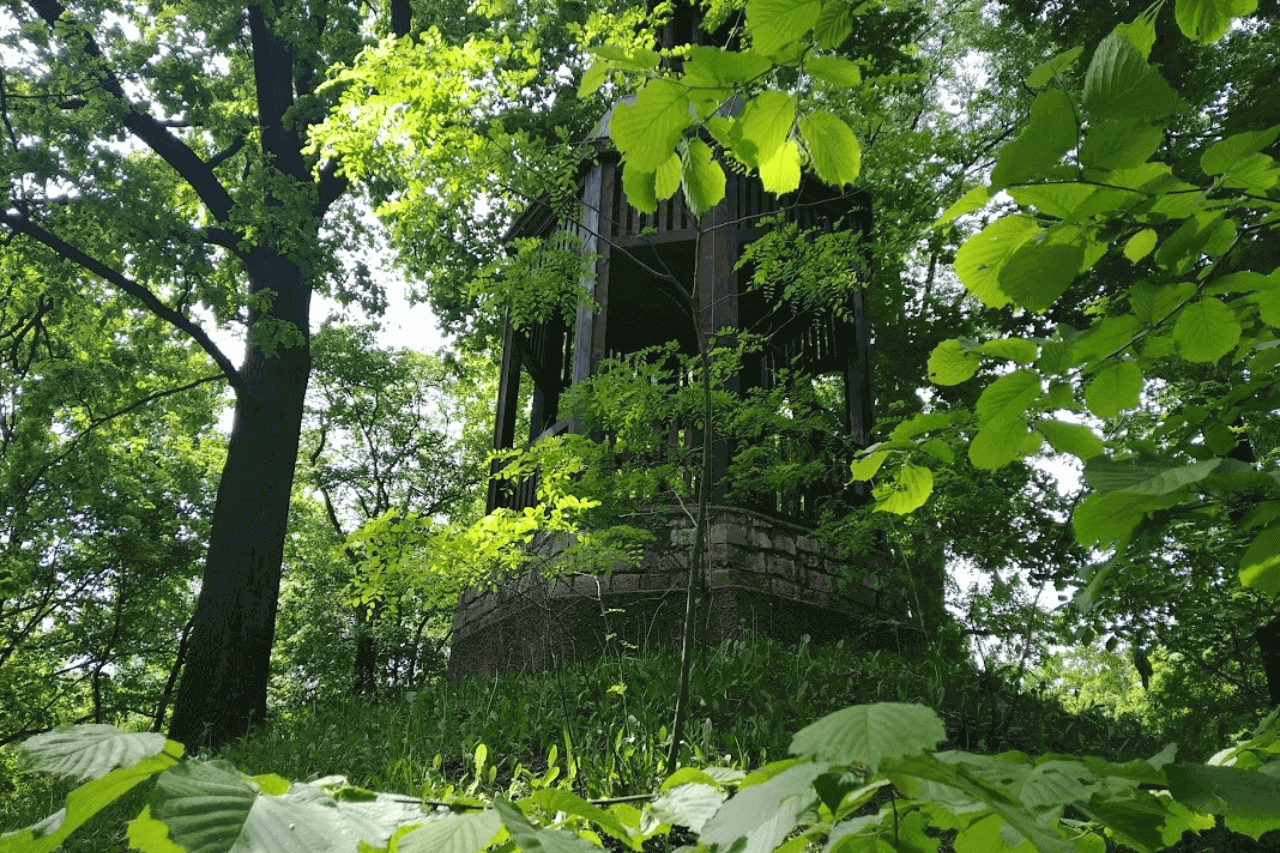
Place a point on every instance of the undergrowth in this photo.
(601, 728)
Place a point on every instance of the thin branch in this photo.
(22, 225)
(146, 127)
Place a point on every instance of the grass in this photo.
(602, 728)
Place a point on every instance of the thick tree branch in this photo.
(151, 131)
(22, 225)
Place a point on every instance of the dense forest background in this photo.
(1071, 275)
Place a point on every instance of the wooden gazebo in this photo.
(766, 572)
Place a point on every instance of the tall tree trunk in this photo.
(224, 682)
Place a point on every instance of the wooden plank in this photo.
(504, 429)
(597, 195)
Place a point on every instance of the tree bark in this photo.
(224, 681)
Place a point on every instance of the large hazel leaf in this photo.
(834, 25)
(952, 363)
(1222, 157)
(1076, 439)
(647, 130)
(773, 24)
(1133, 479)
(1115, 388)
(1120, 84)
(833, 149)
(1206, 21)
(870, 733)
(763, 126)
(1206, 331)
(92, 751)
(532, 839)
(780, 174)
(1041, 144)
(459, 833)
(1008, 397)
(910, 489)
(1119, 144)
(691, 805)
(641, 189)
(1224, 790)
(764, 814)
(1260, 563)
(974, 199)
(979, 260)
(84, 802)
(834, 70)
(717, 68)
(999, 443)
(1048, 70)
(558, 800)
(704, 181)
(1036, 275)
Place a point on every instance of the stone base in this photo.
(764, 576)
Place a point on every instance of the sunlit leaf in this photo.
(1207, 21)
(1115, 388)
(647, 130)
(1120, 84)
(979, 260)
(1045, 72)
(952, 363)
(909, 491)
(1206, 331)
(870, 733)
(775, 23)
(1041, 144)
(1260, 563)
(1076, 439)
(833, 149)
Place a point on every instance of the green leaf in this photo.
(1153, 304)
(1041, 144)
(691, 804)
(1121, 85)
(1224, 790)
(1116, 387)
(641, 189)
(715, 67)
(1222, 157)
(1269, 308)
(646, 131)
(532, 839)
(92, 751)
(1076, 439)
(1108, 477)
(780, 174)
(1036, 275)
(940, 450)
(1140, 245)
(558, 800)
(952, 363)
(1206, 21)
(1060, 200)
(834, 70)
(149, 835)
(869, 734)
(1019, 350)
(83, 803)
(773, 24)
(593, 79)
(911, 488)
(1101, 520)
(1045, 72)
(764, 814)
(1119, 144)
(1206, 331)
(455, 833)
(920, 424)
(667, 179)
(763, 126)
(834, 25)
(1260, 563)
(866, 467)
(1008, 397)
(833, 149)
(974, 199)
(999, 443)
(979, 260)
(704, 181)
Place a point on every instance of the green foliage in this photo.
(863, 778)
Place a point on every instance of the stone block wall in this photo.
(764, 575)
